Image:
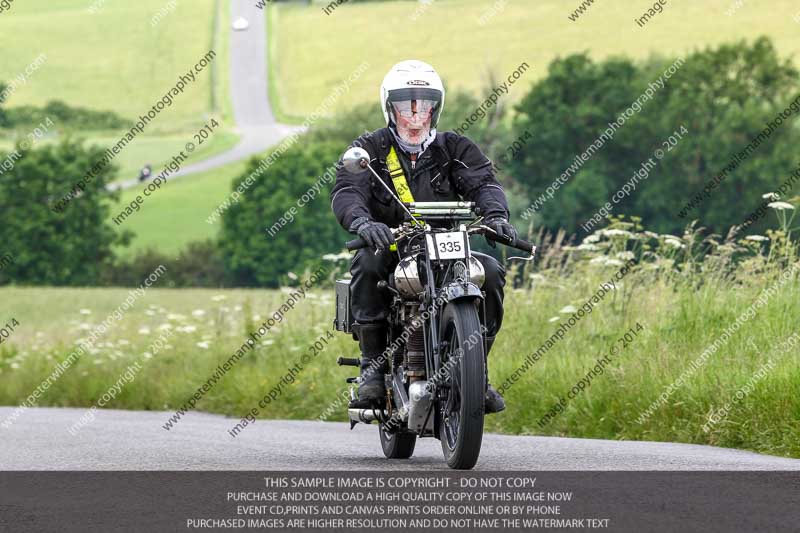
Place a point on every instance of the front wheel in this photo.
(461, 407)
(397, 445)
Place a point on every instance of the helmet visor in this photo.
(413, 119)
(407, 109)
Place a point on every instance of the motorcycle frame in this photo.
(452, 291)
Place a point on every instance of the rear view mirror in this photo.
(355, 160)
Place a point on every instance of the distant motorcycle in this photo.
(145, 173)
(437, 350)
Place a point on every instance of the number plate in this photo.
(451, 245)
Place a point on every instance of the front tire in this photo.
(397, 445)
(460, 413)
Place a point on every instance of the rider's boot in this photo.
(493, 402)
(372, 388)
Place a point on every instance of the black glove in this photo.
(503, 229)
(375, 234)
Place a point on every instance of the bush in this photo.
(198, 265)
(65, 116)
(255, 258)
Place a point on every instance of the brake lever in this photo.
(533, 253)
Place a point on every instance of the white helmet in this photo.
(412, 80)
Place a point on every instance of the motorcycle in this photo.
(436, 356)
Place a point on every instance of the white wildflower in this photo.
(147, 355)
(144, 331)
(204, 345)
(568, 309)
(587, 247)
(780, 206)
(85, 326)
(164, 327)
(771, 196)
(594, 237)
(613, 262)
(14, 366)
(292, 276)
(218, 298)
(554, 319)
(85, 312)
(616, 233)
(175, 316)
(188, 329)
(675, 243)
(599, 260)
(627, 255)
(123, 342)
(757, 238)
(150, 313)
(198, 313)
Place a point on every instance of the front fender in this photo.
(460, 291)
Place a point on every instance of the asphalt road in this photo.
(255, 122)
(136, 440)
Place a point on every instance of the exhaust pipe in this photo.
(365, 416)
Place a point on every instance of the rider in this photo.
(440, 166)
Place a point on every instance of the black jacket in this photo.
(452, 168)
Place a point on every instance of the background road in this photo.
(136, 440)
(251, 109)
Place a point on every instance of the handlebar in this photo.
(519, 244)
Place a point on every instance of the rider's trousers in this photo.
(370, 305)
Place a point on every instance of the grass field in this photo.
(678, 317)
(448, 35)
(109, 68)
(113, 59)
(177, 214)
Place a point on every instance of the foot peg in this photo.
(348, 361)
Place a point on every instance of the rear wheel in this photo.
(397, 445)
(461, 408)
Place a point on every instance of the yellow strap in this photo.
(399, 178)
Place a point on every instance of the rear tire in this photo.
(460, 414)
(397, 445)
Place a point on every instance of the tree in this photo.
(70, 247)
(723, 97)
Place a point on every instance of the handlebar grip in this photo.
(517, 243)
(356, 244)
(525, 246)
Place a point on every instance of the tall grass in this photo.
(684, 292)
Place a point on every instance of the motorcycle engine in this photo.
(408, 282)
